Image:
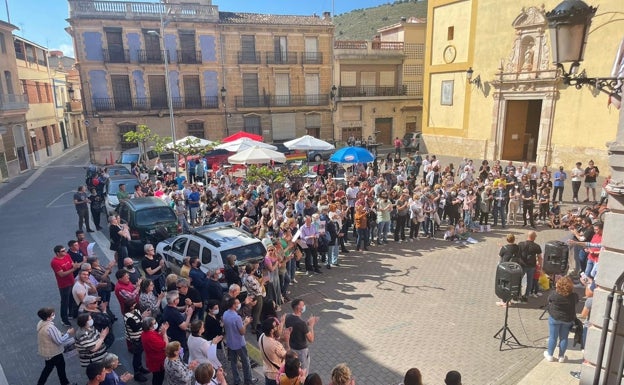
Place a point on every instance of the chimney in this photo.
(326, 15)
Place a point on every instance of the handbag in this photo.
(298, 254)
(69, 350)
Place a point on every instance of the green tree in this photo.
(143, 136)
(273, 176)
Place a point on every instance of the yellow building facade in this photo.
(514, 106)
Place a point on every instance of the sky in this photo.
(43, 21)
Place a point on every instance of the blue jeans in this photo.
(580, 258)
(332, 257)
(558, 330)
(382, 231)
(241, 353)
(362, 239)
(529, 271)
(496, 211)
(590, 267)
(291, 267)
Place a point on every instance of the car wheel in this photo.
(318, 158)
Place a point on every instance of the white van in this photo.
(212, 244)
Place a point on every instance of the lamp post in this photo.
(225, 116)
(569, 26)
(168, 88)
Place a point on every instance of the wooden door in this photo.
(383, 130)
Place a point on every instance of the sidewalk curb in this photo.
(31, 179)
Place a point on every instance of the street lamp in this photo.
(569, 26)
(476, 81)
(225, 116)
(168, 89)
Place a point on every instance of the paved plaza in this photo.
(428, 304)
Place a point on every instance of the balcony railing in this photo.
(116, 55)
(299, 100)
(281, 57)
(189, 57)
(10, 102)
(367, 91)
(350, 44)
(152, 56)
(364, 44)
(387, 45)
(312, 58)
(245, 57)
(252, 101)
(141, 10)
(154, 103)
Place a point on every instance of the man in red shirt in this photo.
(124, 289)
(64, 268)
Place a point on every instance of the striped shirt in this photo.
(86, 341)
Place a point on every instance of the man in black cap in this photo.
(452, 378)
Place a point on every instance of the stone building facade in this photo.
(228, 72)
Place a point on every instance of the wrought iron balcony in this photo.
(368, 91)
(152, 56)
(281, 57)
(156, 102)
(252, 101)
(189, 57)
(312, 57)
(9, 102)
(248, 57)
(116, 55)
(299, 100)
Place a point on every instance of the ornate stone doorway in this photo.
(525, 93)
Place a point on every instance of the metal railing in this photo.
(367, 91)
(10, 102)
(281, 57)
(189, 57)
(312, 58)
(299, 100)
(246, 57)
(252, 101)
(154, 103)
(152, 56)
(116, 55)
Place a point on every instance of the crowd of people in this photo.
(182, 325)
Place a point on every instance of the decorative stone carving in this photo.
(530, 52)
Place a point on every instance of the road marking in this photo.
(59, 197)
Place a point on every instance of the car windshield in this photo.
(245, 253)
(129, 158)
(155, 216)
(113, 185)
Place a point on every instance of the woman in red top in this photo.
(154, 342)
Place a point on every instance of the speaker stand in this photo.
(505, 334)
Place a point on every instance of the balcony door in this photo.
(115, 45)
(153, 53)
(158, 91)
(192, 93)
(250, 90)
(121, 92)
(312, 83)
(282, 89)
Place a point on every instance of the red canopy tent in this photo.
(243, 134)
